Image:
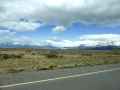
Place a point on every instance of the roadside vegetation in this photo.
(18, 60)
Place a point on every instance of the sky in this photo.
(62, 23)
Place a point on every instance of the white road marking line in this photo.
(59, 78)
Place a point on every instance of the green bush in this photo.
(86, 54)
(51, 55)
(4, 56)
(9, 56)
(52, 66)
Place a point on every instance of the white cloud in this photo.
(20, 25)
(6, 33)
(6, 36)
(22, 40)
(59, 29)
(69, 43)
(63, 11)
(100, 37)
(88, 40)
(25, 40)
(62, 43)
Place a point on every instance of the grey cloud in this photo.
(64, 12)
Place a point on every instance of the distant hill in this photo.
(109, 47)
(97, 47)
(9, 45)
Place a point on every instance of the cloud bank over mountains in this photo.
(85, 40)
(88, 40)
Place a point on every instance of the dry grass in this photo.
(27, 60)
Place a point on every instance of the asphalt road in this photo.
(105, 77)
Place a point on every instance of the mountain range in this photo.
(98, 46)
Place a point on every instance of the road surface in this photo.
(105, 77)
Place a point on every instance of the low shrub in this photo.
(52, 66)
(51, 55)
(8, 56)
(15, 70)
